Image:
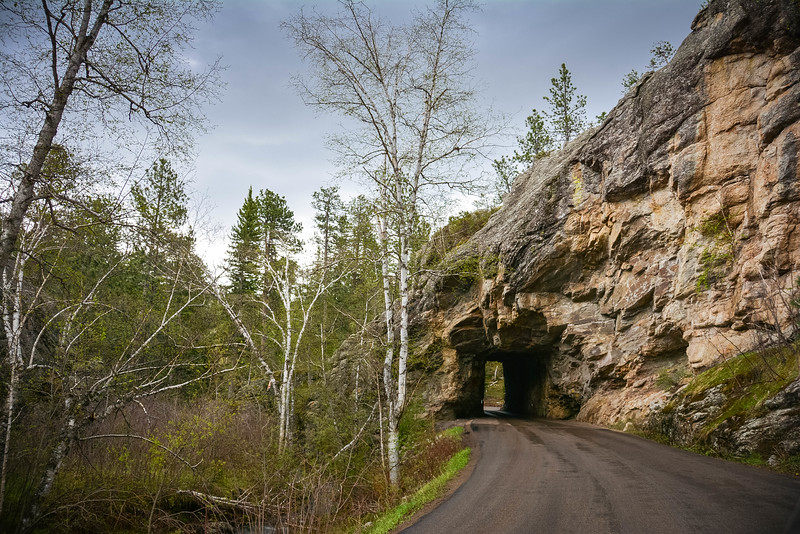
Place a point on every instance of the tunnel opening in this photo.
(524, 382)
(494, 388)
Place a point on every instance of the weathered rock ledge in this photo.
(658, 241)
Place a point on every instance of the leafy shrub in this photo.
(457, 231)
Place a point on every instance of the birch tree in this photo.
(408, 92)
(91, 72)
(81, 323)
(286, 305)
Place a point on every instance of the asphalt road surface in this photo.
(567, 477)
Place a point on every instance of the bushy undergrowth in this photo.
(442, 459)
(457, 231)
(185, 465)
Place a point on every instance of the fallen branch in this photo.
(205, 498)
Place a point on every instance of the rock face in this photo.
(661, 241)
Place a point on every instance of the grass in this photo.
(773, 366)
(670, 378)
(494, 390)
(427, 493)
(747, 381)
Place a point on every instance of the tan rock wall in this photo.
(609, 266)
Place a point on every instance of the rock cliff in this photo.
(655, 245)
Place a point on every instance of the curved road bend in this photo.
(567, 477)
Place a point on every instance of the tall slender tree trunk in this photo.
(12, 325)
(9, 418)
(393, 437)
(24, 194)
(405, 255)
(65, 441)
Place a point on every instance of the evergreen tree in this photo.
(244, 251)
(276, 223)
(567, 113)
(660, 55)
(536, 143)
(329, 220)
(629, 80)
(160, 203)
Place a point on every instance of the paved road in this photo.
(567, 477)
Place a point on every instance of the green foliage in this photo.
(536, 143)
(567, 111)
(331, 222)
(262, 222)
(671, 377)
(277, 224)
(630, 80)
(660, 54)
(494, 391)
(465, 268)
(456, 232)
(430, 491)
(243, 254)
(717, 255)
(453, 432)
(426, 361)
(160, 201)
(413, 425)
(468, 269)
(746, 381)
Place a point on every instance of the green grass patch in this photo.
(494, 391)
(746, 381)
(772, 368)
(427, 493)
(670, 378)
(454, 432)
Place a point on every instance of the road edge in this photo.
(468, 439)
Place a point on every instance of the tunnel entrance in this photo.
(494, 388)
(524, 380)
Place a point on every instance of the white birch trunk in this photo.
(393, 438)
(65, 441)
(12, 324)
(9, 418)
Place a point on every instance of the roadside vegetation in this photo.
(430, 491)
(494, 392)
(722, 399)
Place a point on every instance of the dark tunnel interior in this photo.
(525, 376)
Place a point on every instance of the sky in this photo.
(265, 137)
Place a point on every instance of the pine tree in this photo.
(660, 54)
(244, 251)
(276, 223)
(160, 203)
(328, 220)
(536, 143)
(567, 114)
